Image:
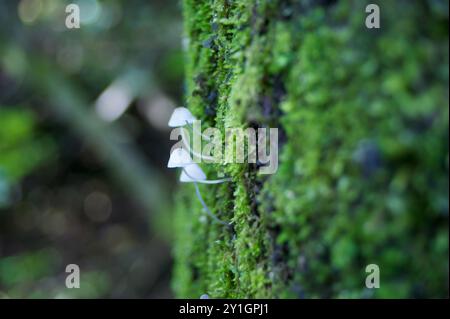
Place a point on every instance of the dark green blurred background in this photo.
(83, 141)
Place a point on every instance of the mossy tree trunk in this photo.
(363, 174)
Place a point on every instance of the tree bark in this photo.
(363, 141)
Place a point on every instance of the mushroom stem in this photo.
(214, 181)
(196, 131)
(188, 147)
(200, 198)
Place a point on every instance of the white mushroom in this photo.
(180, 117)
(192, 173)
(179, 158)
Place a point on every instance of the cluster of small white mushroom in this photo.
(181, 158)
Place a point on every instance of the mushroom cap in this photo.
(179, 158)
(192, 173)
(180, 117)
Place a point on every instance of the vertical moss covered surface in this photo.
(363, 174)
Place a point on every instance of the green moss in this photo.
(363, 175)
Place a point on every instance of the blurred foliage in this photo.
(21, 149)
(63, 197)
(363, 175)
(29, 267)
(17, 138)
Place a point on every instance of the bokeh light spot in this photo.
(29, 10)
